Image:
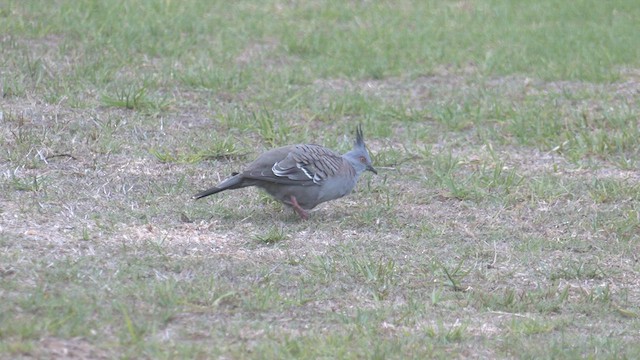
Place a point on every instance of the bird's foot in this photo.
(300, 211)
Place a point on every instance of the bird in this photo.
(302, 176)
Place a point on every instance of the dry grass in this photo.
(504, 222)
(439, 245)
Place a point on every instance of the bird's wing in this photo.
(298, 164)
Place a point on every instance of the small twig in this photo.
(512, 314)
(60, 155)
(42, 157)
(267, 275)
(407, 159)
(495, 254)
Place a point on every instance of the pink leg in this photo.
(302, 212)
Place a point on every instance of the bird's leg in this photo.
(302, 212)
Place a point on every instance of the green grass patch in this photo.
(503, 222)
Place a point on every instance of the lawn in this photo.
(504, 222)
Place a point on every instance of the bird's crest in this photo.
(359, 136)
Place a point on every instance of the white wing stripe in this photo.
(278, 171)
(306, 172)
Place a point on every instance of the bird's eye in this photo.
(363, 159)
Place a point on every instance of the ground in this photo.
(504, 221)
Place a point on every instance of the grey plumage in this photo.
(302, 176)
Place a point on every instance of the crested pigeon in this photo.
(302, 176)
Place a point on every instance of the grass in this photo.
(504, 222)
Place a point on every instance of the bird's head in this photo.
(359, 156)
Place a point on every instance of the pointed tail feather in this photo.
(234, 182)
(206, 193)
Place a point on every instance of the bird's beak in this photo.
(372, 169)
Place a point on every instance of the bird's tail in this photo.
(233, 182)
